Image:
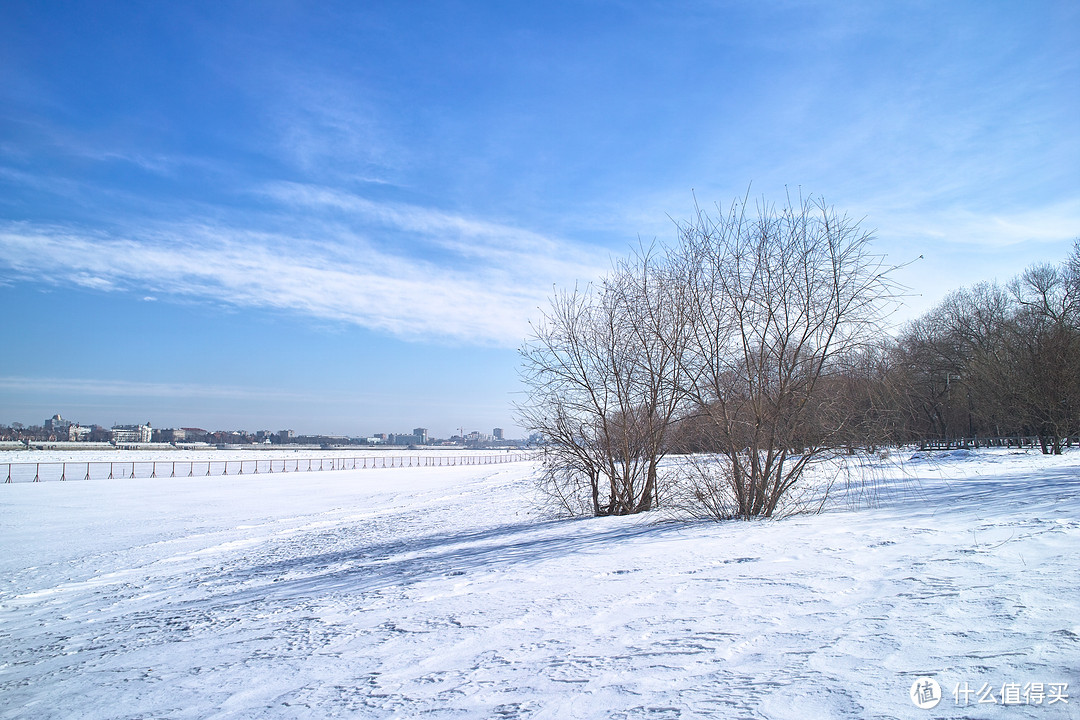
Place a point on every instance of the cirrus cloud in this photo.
(483, 293)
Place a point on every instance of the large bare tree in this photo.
(780, 300)
(601, 370)
(750, 339)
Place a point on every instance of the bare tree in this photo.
(601, 369)
(865, 386)
(927, 365)
(1047, 343)
(750, 340)
(778, 301)
(959, 366)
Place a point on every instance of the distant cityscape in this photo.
(56, 430)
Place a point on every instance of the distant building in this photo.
(194, 434)
(57, 424)
(124, 434)
(229, 437)
(498, 433)
(421, 433)
(323, 440)
(78, 433)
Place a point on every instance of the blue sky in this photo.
(340, 217)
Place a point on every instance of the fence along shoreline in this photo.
(152, 469)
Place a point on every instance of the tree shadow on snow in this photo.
(406, 561)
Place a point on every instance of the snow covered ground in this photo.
(440, 592)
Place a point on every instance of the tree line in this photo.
(994, 360)
(756, 346)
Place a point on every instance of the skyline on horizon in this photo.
(66, 421)
(266, 215)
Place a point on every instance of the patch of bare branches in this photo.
(738, 342)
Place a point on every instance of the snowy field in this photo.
(441, 593)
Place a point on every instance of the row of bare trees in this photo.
(754, 348)
(732, 343)
(996, 360)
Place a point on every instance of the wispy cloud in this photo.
(484, 293)
(128, 388)
(469, 238)
(1051, 223)
(323, 121)
(90, 389)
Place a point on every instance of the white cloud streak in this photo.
(484, 293)
(1046, 224)
(492, 243)
(129, 388)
